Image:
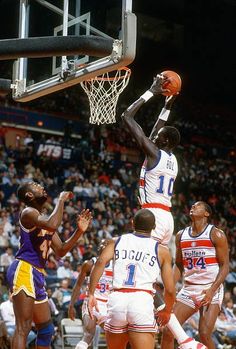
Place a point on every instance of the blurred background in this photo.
(49, 140)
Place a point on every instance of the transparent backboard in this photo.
(107, 19)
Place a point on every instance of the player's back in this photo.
(136, 263)
(156, 183)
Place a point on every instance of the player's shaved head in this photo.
(144, 220)
(22, 190)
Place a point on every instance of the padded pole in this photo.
(48, 46)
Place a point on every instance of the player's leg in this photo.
(208, 316)
(101, 317)
(96, 337)
(23, 310)
(142, 326)
(89, 326)
(42, 313)
(164, 226)
(117, 340)
(182, 313)
(116, 323)
(141, 340)
(21, 281)
(43, 324)
(173, 324)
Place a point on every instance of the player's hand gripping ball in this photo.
(173, 84)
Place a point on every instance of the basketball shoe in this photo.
(190, 343)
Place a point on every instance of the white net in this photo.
(103, 92)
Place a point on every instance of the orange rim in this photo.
(112, 78)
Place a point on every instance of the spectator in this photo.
(3, 289)
(28, 140)
(89, 253)
(104, 233)
(225, 327)
(63, 294)
(229, 312)
(65, 271)
(7, 258)
(4, 239)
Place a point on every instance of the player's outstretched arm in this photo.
(85, 271)
(136, 131)
(163, 117)
(178, 266)
(31, 217)
(222, 255)
(61, 248)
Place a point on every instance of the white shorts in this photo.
(164, 225)
(101, 315)
(191, 295)
(132, 311)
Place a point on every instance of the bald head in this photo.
(144, 220)
(22, 190)
(32, 193)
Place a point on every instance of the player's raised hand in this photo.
(92, 303)
(170, 100)
(71, 312)
(66, 195)
(84, 220)
(157, 86)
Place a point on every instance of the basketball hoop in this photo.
(103, 92)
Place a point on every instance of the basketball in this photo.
(174, 83)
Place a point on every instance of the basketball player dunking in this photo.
(160, 167)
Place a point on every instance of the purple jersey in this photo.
(34, 246)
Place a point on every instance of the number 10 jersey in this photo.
(156, 184)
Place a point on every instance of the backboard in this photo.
(64, 42)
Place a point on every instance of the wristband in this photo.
(164, 114)
(147, 95)
(161, 307)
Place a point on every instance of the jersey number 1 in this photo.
(130, 277)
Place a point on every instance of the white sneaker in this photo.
(81, 345)
(190, 343)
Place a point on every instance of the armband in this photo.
(147, 95)
(164, 114)
(161, 307)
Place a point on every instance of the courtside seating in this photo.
(71, 332)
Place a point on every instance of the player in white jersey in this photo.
(203, 259)
(160, 167)
(102, 290)
(138, 259)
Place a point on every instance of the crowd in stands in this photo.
(104, 181)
